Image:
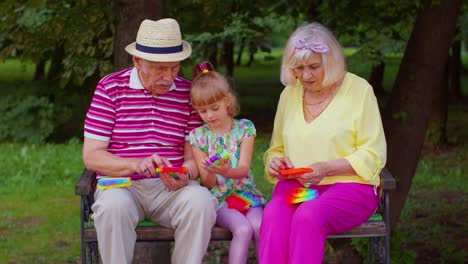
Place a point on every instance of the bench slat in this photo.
(367, 229)
(161, 233)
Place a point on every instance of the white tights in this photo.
(244, 227)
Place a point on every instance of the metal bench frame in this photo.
(377, 231)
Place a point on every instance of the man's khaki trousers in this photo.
(190, 211)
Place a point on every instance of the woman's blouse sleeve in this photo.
(371, 148)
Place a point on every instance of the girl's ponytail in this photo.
(201, 68)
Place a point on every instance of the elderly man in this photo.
(138, 121)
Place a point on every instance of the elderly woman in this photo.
(327, 120)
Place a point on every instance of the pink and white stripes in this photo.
(138, 124)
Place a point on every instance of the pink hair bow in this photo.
(203, 67)
(300, 44)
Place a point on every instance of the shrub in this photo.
(28, 120)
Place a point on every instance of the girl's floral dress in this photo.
(214, 144)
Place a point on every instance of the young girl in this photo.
(231, 140)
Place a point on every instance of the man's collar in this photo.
(135, 82)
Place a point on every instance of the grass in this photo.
(38, 208)
(40, 213)
(435, 213)
(15, 70)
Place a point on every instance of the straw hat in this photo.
(160, 41)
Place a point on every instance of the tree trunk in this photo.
(40, 70)
(212, 54)
(129, 16)
(436, 134)
(241, 50)
(312, 11)
(251, 59)
(228, 58)
(56, 66)
(407, 114)
(455, 68)
(376, 78)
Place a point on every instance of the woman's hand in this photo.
(278, 164)
(314, 177)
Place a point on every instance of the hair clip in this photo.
(203, 67)
(301, 44)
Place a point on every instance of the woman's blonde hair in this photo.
(333, 60)
(209, 86)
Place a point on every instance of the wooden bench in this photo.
(377, 230)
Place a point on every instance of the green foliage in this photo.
(29, 120)
(34, 17)
(374, 27)
(245, 23)
(38, 29)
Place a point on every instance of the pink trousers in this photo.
(297, 233)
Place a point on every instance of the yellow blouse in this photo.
(350, 127)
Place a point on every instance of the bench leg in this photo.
(372, 246)
(387, 249)
(83, 251)
(90, 253)
(377, 251)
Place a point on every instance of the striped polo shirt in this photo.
(138, 124)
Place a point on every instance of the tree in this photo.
(455, 67)
(76, 36)
(436, 133)
(374, 27)
(408, 111)
(129, 15)
(224, 26)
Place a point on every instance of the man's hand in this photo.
(173, 184)
(148, 167)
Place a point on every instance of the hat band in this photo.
(158, 50)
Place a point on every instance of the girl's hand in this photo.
(278, 164)
(314, 177)
(221, 168)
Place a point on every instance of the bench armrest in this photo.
(86, 183)
(387, 181)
